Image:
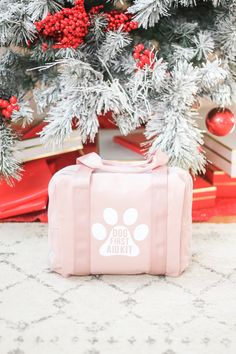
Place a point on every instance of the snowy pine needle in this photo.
(9, 164)
(194, 46)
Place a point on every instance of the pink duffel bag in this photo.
(109, 217)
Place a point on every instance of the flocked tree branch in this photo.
(9, 164)
(194, 48)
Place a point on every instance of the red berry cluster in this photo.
(8, 107)
(67, 27)
(143, 56)
(96, 9)
(117, 19)
(44, 46)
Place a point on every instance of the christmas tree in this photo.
(147, 61)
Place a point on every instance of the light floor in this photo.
(40, 312)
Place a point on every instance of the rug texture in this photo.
(40, 312)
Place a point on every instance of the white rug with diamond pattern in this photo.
(40, 312)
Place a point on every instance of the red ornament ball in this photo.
(220, 121)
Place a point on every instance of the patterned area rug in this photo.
(40, 312)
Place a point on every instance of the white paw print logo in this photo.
(119, 242)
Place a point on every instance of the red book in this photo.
(204, 194)
(226, 185)
(28, 194)
(27, 200)
(106, 121)
(224, 207)
(21, 131)
(40, 216)
(133, 141)
(58, 162)
(32, 206)
(34, 131)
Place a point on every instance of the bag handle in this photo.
(94, 161)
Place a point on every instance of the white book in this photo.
(33, 149)
(221, 151)
(220, 162)
(223, 145)
(226, 148)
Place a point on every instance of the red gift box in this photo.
(27, 195)
(204, 194)
(226, 185)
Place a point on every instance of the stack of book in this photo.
(30, 147)
(27, 200)
(213, 194)
(220, 151)
(225, 185)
